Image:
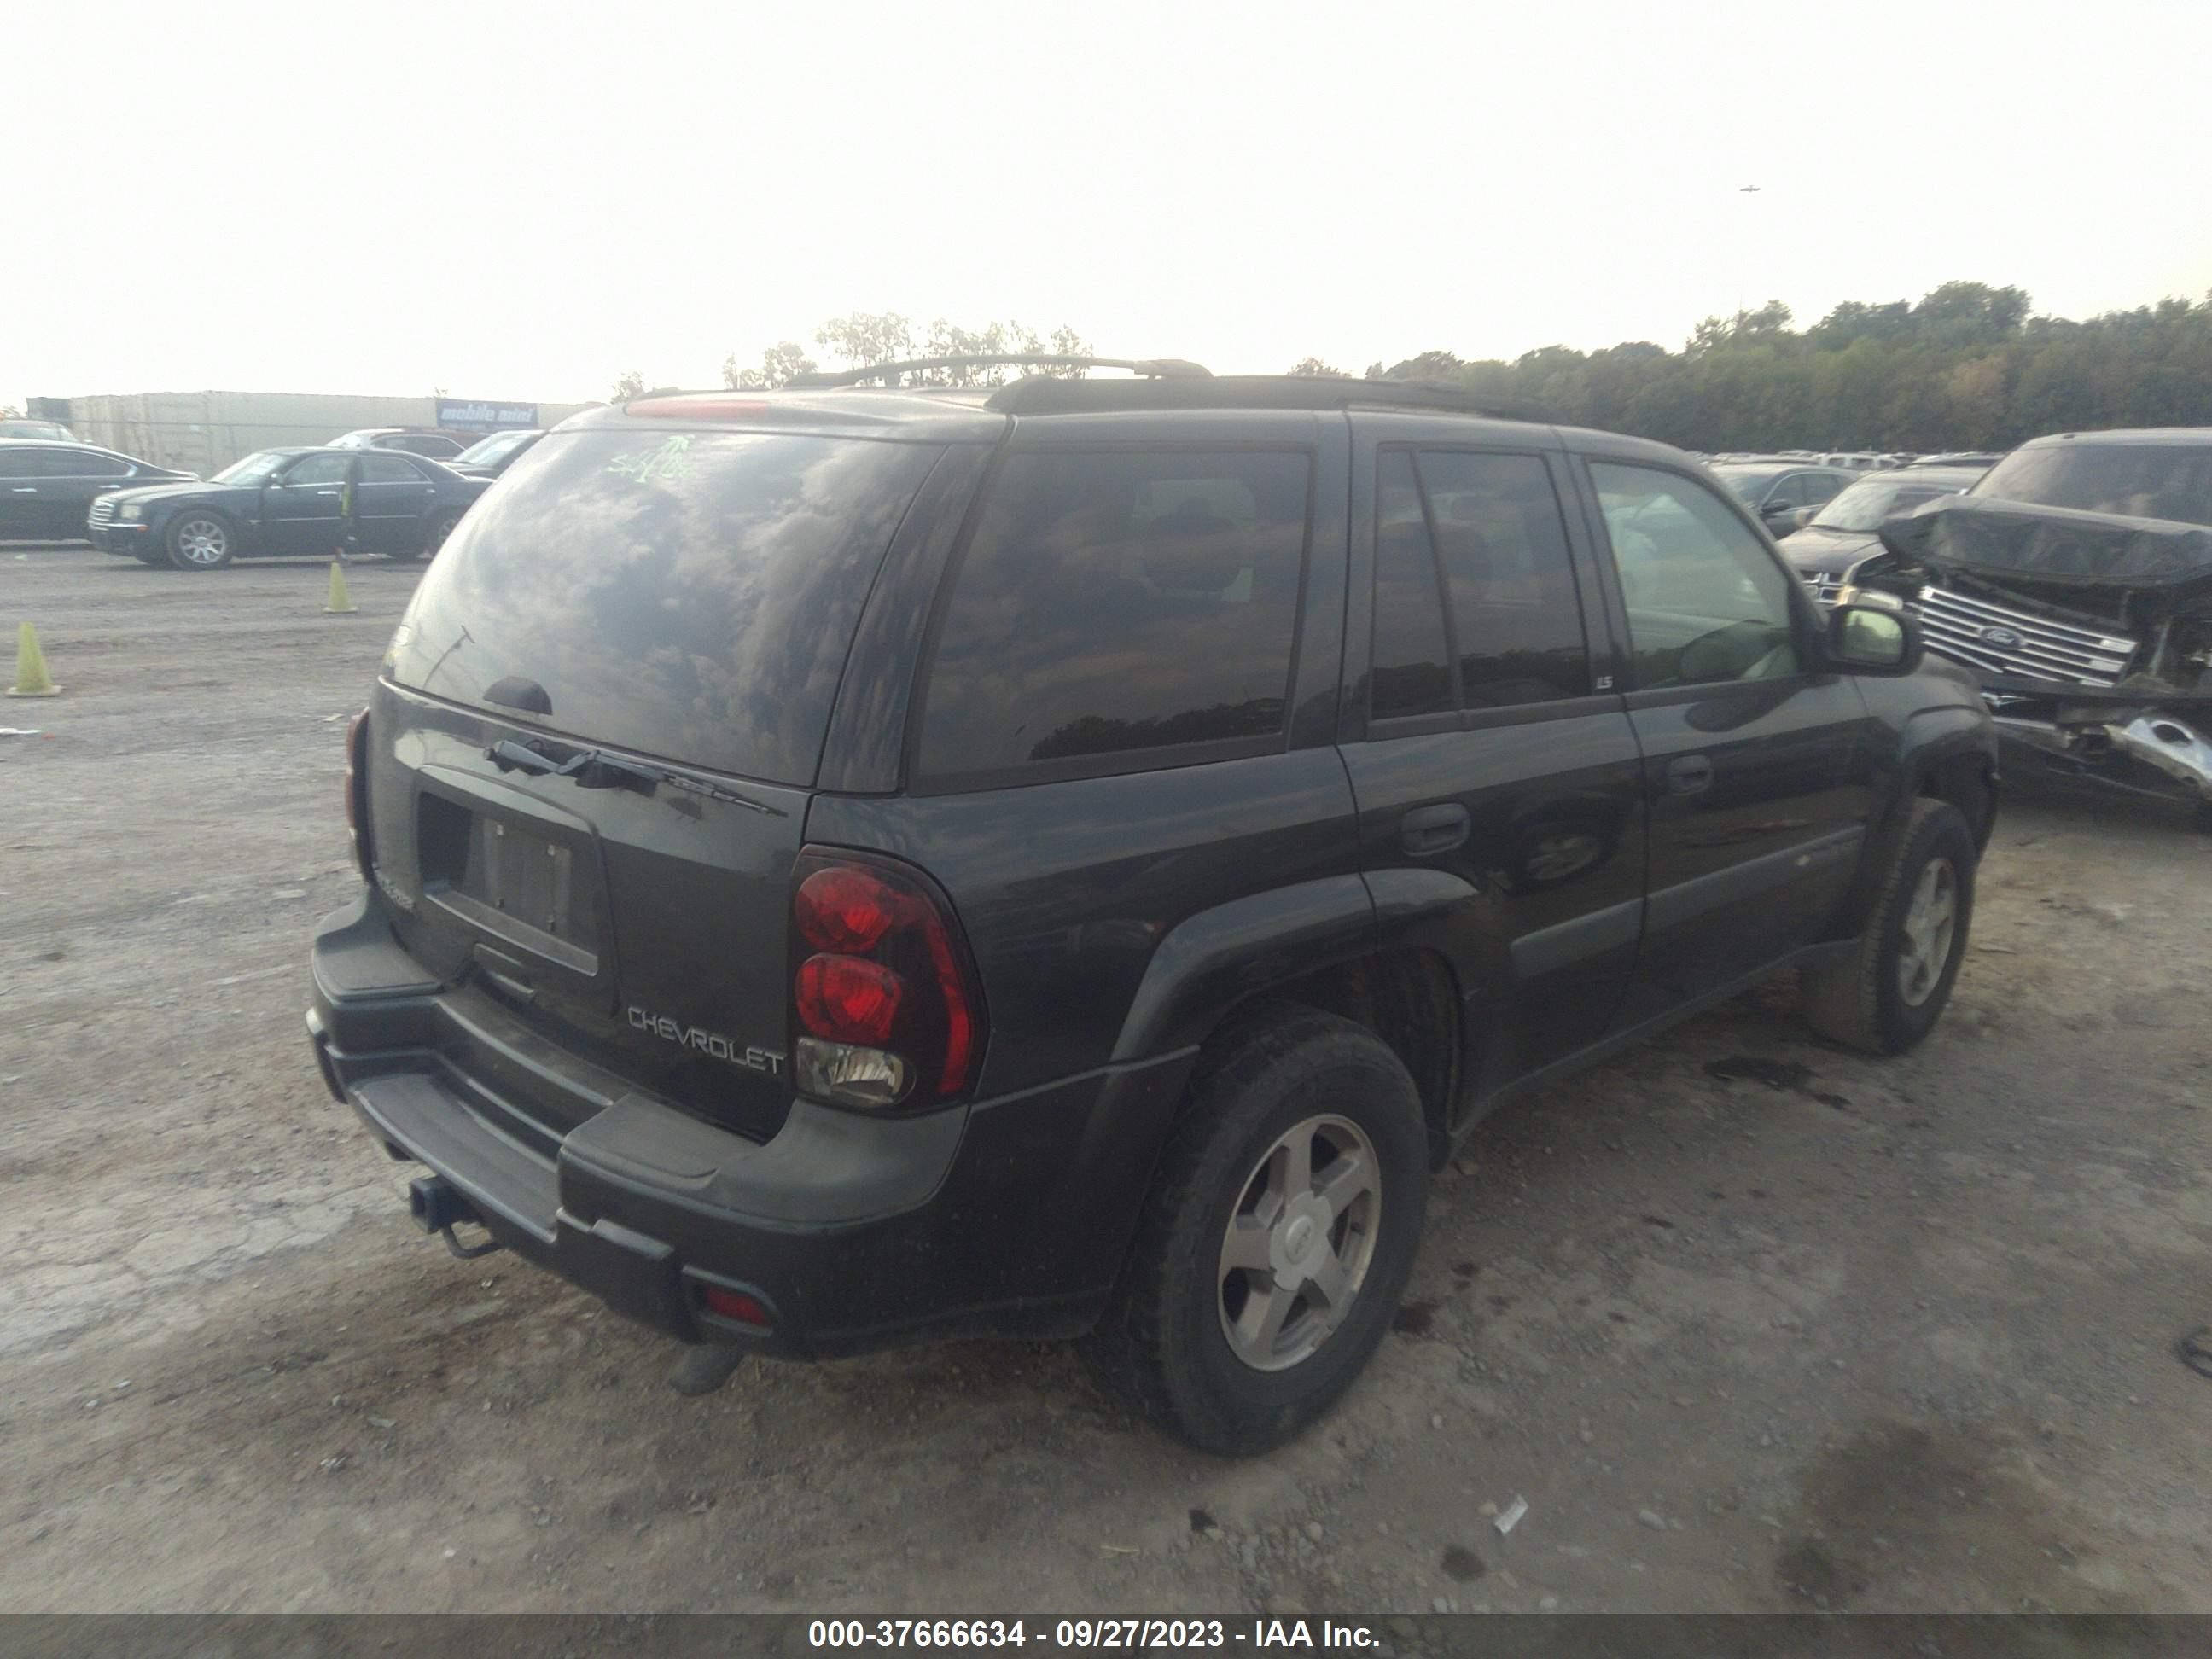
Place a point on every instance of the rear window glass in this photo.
(2140, 481)
(1120, 603)
(687, 595)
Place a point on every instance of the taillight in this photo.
(708, 408)
(885, 1008)
(356, 795)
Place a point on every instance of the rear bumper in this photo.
(1005, 1216)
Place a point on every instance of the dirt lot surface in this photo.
(1751, 1324)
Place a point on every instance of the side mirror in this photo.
(1873, 638)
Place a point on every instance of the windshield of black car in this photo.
(685, 595)
(253, 469)
(1750, 485)
(2140, 481)
(1864, 506)
(498, 446)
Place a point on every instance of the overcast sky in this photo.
(523, 201)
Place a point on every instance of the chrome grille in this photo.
(1824, 586)
(1958, 625)
(102, 510)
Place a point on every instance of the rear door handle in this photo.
(23, 489)
(1427, 831)
(1693, 774)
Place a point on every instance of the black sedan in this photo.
(492, 455)
(46, 489)
(1845, 530)
(290, 502)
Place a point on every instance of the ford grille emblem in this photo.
(2003, 638)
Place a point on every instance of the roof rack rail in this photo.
(1040, 394)
(1157, 367)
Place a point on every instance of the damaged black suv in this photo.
(1071, 858)
(2075, 579)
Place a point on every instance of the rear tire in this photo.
(1237, 1356)
(433, 537)
(1890, 995)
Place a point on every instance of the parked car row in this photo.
(486, 457)
(274, 502)
(1823, 544)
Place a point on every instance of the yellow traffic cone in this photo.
(32, 679)
(341, 603)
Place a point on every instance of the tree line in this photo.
(1965, 367)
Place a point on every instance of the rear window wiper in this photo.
(591, 769)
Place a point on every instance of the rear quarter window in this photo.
(686, 595)
(1117, 610)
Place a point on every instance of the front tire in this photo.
(1890, 995)
(1277, 1237)
(200, 540)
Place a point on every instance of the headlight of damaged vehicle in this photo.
(132, 510)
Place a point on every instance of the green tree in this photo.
(862, 339)
(1313, 367)
(780, 365)
(1429, 366)
(1966, 365)
(630, 385)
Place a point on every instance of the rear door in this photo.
(69, 481)
(393, 496)
(675, 609)
(1756, 766)
(301, 509)
(1494, 750)
(20, 485)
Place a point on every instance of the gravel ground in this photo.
(1749, 1322)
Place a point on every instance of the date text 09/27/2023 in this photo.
(1089, 1633)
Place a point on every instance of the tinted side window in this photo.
(1119, 601)
(427, 443)
(1517, 618)
(19, 463)
(376, 468)
(1707, 602)
(317, 469)
(1821, 487)
(1413, 664)
(78, 464)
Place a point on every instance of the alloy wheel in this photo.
(201, 542)
(1932, 922)
(1298, 1246)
